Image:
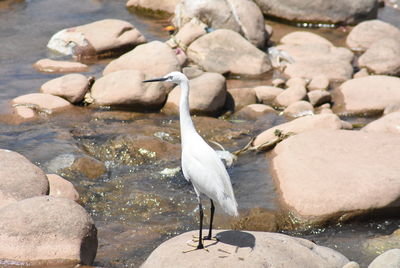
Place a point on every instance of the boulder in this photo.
(56, 66)
(60, 187)
(290, 95)
(242, 97)
(299, 108)
(19, 178)
(41, 103)
(366, 95)
(71, 87)
(153, 7)
(388, 259)
(318, 97)
(389, 123)
(368, 32)
(155, 59)
(241, 16)
(47, 230)
(249, 249)
(99, 38)
(267, 94)
(298, 125)
(207, 95)
(382, 57)
(225, 51)
(329, 175)
(187, 34)
(125, 88)
(321, 11)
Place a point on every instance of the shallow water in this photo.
(134, 206)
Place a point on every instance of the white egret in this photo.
(200, 163)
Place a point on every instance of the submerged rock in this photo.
(99, 38)
(19, 178)
(252, 249)
(329, 175)
(381, 244)
(58, 229)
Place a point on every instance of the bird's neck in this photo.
(186, 123)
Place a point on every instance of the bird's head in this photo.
(174, 77)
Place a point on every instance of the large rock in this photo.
(328, 175)
(19, 178)
(47, 230)
(245, 249)
(207, 94)
(71, 87)
(389, 123)
(368, 32)
(366, 95)
(155, 59)
(241, 16)
(125, 88)
(152, 6)
(100, 38)
(342, 11)
(223, 51)
(383, 57)
(40, 102)
(187, 34)
(301, 124)
(56, 66)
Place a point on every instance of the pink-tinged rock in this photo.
(329, 175)
(389, 123)
(243, 17)
(368, 32)
(19, 178)
(155, 6)
(320, 82)
(363, 72)
(71, 87)
(225, 51)
(125, 88)
(318, 97)
(299, 108)
(391, 108)
(187, 34)
(154, 59)
(296, 82)
(60, 187)
(382, 57)
(366, 95)
(290, 95)
(47, 230)
(388, 259)
(55, 66)
(254, 111)
(267, 94)
(25, 113)
(301, 37)
(207, 95)
(242, 97)
(42, 102)
(99, 38)
(299, 125)
(245, 249)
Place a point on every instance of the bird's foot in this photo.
(207, 237)
(195, 247)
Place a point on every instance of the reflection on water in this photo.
(134, 206)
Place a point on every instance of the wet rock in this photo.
(290, 95)
(40, 102)
(298, 125)
(187, 34)
(254, 111)
(318, 97)
(25, 113)
(319, 82)
(19, 178)
(154, 59)
(388, 259)
(368, 32)
(242, 97)
(255, 249)
(338, 164)
(379, 245)
(267, 94)
(320, 11)
(366, 95)
(71, 87)
(125, 88)
(299, 108)
(243, 17)
(88, 166)
(56, 66)
(59, 230)
(167, 6)
(207, 95)
(223, 51)
(60, 187)
(389, 123)
(257, 219)
(99, 38)
(382, 57)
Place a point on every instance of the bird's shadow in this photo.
(237, 238)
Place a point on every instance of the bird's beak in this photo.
(155, 80)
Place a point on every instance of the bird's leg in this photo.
(212, 209)
(200, 245)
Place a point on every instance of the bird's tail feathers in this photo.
(229, 206)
